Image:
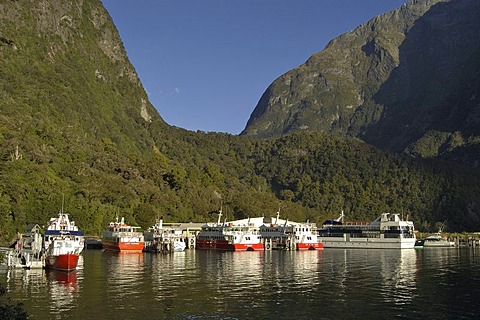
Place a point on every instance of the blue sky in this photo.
(206, 63)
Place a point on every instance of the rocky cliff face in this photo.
(406, 81)
(65, 74)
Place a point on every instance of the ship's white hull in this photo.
(367, 243)
(438, 244)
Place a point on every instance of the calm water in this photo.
(342, 284)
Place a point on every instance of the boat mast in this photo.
(63, 203)
(219, 215)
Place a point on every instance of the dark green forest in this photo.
(76, 124)
(308, 176)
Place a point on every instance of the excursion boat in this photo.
(120, 236)
(388, 231)
(159, 238)
(62, 254)
(437, 241)
(63, 243)
(62, 226)
(285, 235)
(229, 236)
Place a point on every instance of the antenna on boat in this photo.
(342, 217)
(220, 215)
(63, 202)
(442, 226)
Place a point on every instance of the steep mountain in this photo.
(65, 59)
(406, 81)
(76, 122)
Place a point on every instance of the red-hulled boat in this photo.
(122, 237)
(62, 254)
(306, 237)
(282, 234)
(229, 237)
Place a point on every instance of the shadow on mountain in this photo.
(433, 95)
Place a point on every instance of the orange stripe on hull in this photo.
(248, 247)
(123, 246)
(309, 246)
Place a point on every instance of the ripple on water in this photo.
(345, 284)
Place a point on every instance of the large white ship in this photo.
(388, 231)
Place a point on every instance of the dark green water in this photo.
(333, 284)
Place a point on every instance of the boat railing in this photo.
(355, 223)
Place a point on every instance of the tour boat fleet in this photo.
(388, 231)
(259, 233)
(120, 236)
(63, 243)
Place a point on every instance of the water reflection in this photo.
(398, 273)
(26, 286)
(368, 280)
(167, 272)
(64, 290)
(243, 274)
(27, 279)
(301, 270)
(125, 273)
(336, 283)
(65, 279)
(452, 276)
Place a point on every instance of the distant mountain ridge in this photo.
(406, 81)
